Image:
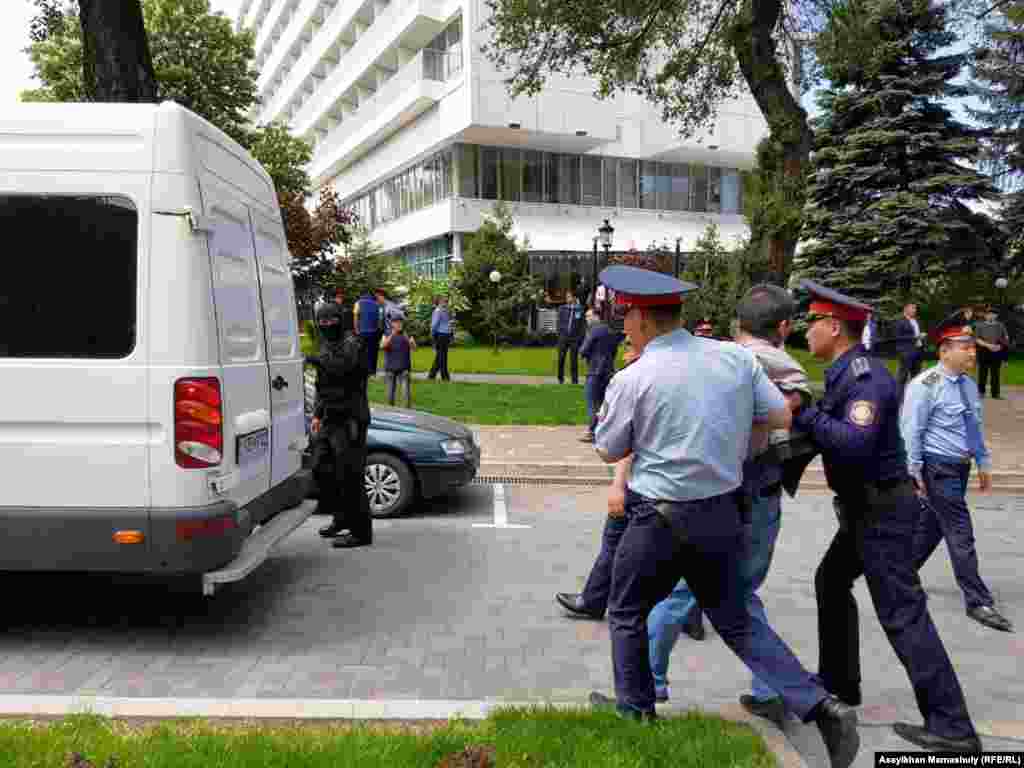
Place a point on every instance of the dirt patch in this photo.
(475, 756)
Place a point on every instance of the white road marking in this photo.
(500, 511)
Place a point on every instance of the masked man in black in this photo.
(341, 417)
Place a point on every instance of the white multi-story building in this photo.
(414, 128)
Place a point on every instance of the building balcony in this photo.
(408, 24)
(327, 38)
(411, 91)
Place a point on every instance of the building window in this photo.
(627, 184)
(714, 189)
(466, 156)
(569, 179)
(591, 177)
(532, 176)
(611, 181)
(679, 191)
(731, 191)
(488, 173)
(648, 185)
(698, 188)
(663, 186)
(511, 175)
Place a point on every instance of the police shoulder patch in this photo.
(931, 379)
(860, 367)
(862, 413)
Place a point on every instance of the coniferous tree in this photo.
(998, 70)
(892, 168)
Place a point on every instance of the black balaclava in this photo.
(327, 312)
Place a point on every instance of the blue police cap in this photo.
(825, 301)
(644, 287)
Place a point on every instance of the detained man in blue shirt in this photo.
(941, 422)
(685, 412)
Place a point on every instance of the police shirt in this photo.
(685, 409)
(932, 419)
(856, 425)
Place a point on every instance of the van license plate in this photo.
(252, 447)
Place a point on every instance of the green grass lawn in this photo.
(472, 403)
(521, 739)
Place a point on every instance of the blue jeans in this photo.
(669, 616)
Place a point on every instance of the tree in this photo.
(495, 310)
(685, 56)
(722, 277)
(116, 62)
(892, 167)
(203, 64)
(998, 70)
(198, 60)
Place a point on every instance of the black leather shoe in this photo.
(348, 541)
(838, 726)
(587, 438)
(990, 617)
(694, 626)
(330, 531)
(769, 709)
(916, 734)
(602, 703)
(576, 607)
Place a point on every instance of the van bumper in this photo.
(177, 541)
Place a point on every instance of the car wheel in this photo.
(390, 485)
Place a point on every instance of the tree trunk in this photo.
(116, 65)
(754, 45)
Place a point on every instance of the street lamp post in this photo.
(1001, 283)
(678, 255)
(594, 270)
(495, 278)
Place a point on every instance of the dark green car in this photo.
(410, 455)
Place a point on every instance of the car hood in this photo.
(402, 419)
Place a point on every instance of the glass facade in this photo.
(532, 176)
(429, 258)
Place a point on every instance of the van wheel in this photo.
(390, 485)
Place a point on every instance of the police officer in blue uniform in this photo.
(856, 426)
(684, 507)
(941, 422)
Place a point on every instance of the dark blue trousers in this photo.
(701, 546)
(878, 544)
(599, 582)
(946, 516)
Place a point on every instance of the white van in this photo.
(151, 388)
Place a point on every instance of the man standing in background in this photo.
(441, 332)
(994, 347)
(571, 328)
(911, 341)
(599, 350)
(367, 313)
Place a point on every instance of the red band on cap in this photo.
(662, 300)
(839, 311)
(954, 332)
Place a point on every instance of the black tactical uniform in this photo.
(339, 449)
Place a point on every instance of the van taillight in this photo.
(198, 419)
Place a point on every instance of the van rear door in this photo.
(236, 292)
(74, 429)
(285, 358)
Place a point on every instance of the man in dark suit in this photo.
(909, 343)
(571, 329)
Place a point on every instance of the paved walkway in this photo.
(449, 612)
(542, 452)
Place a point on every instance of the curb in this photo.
(126, 707)
(560, 473)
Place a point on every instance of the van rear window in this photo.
(69, 277)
